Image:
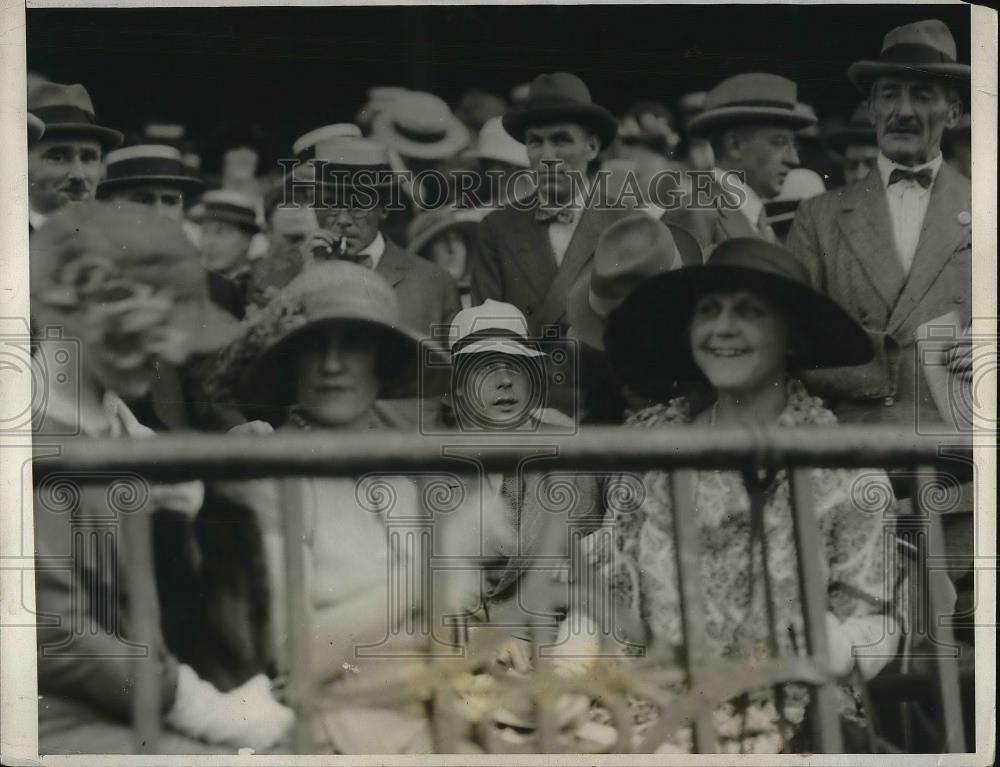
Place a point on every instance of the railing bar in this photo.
(947, 665)
(144, 603)
(825, 720)
(683, 483)
(176, 458)
(300, 679)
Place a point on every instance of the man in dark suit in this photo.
(532, 252)
(895, 248)
(751, 121)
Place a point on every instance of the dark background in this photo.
(292, 69)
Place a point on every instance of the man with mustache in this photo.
(65, 165)
(895, 248)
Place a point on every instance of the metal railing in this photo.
(678, 450)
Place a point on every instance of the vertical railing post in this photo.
(812, 591)
(137, 534)
(683, 483)
(298, 642)
(942, 633)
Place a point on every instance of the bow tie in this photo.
(559, 215)
(362, 259)
(924, 176)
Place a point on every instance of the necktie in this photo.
(555, 215)
(924, 176)
(362, 259)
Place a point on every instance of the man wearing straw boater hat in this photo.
(751, 121)
(64, 165)
(896, 247)
(154, 175)
(531, 253)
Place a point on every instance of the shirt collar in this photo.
(886, 166)
(752, 204)
(374, 249)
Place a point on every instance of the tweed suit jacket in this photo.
(427, 294)
(710, 226)
(845, 239)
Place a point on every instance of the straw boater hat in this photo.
(67, 111)
(647, 336)
(921, 50)
(305, 145)
(147, 164)
(229, 206)
(255, 370)
(36, 128)
(493, 326)
(560, 97)
(494, 143)
(629, 252)
(748, 98)
(420, 125)
(348, 162)
(101, 254)
(858, 130)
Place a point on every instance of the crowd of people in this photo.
(486, 268)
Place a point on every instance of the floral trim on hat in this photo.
(127, 321)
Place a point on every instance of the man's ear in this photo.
(955, 109)
(732, 143)
(593, 146)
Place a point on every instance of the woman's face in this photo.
(496, 392)
(450, 253)
(739, 340)
(336, 375)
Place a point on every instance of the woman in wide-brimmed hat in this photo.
(447, 237)
(742, 325)
(316, 358)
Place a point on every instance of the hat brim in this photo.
(199, 217)
(467, 226)
(591, 116)
(455, 139)
(499, 345)
(264, 384)
(584, 323)
(187, 184)
(710, 120)
(107, 137)
(36, 128)
(863, 73)
(646, 337)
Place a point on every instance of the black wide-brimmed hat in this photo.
(147, 164)
(560, 97)
(647, 336)
(921, 50)
(67, 111)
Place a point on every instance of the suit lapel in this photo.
(940, 235)
(866, 223)
(533, 255)
(578, 253)
(392, 265)
(734, 224)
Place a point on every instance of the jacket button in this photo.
(889, 401)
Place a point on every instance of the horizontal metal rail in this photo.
(220, 457)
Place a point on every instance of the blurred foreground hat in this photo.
(629, 252)
(67, 111)
(420, 125)
(921, 50)
(753, 97)
(147, 164)
(647, 338)
(229, 206)
(560, 97)
(95, 257)
(495, 143)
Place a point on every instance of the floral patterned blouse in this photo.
(851, 506)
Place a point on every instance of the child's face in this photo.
(450, 253)
(496, 391)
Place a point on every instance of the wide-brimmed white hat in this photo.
(495, 143)
(493, 326)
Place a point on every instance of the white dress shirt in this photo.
(752, 207)
(560, 234)
(374, 250)
(907, 206)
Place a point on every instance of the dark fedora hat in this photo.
(560, 97)
(751, 97)
(66, 111)
(647, 336)
(147, 164)
(858, 130)
(628, 253)
(921, 50)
